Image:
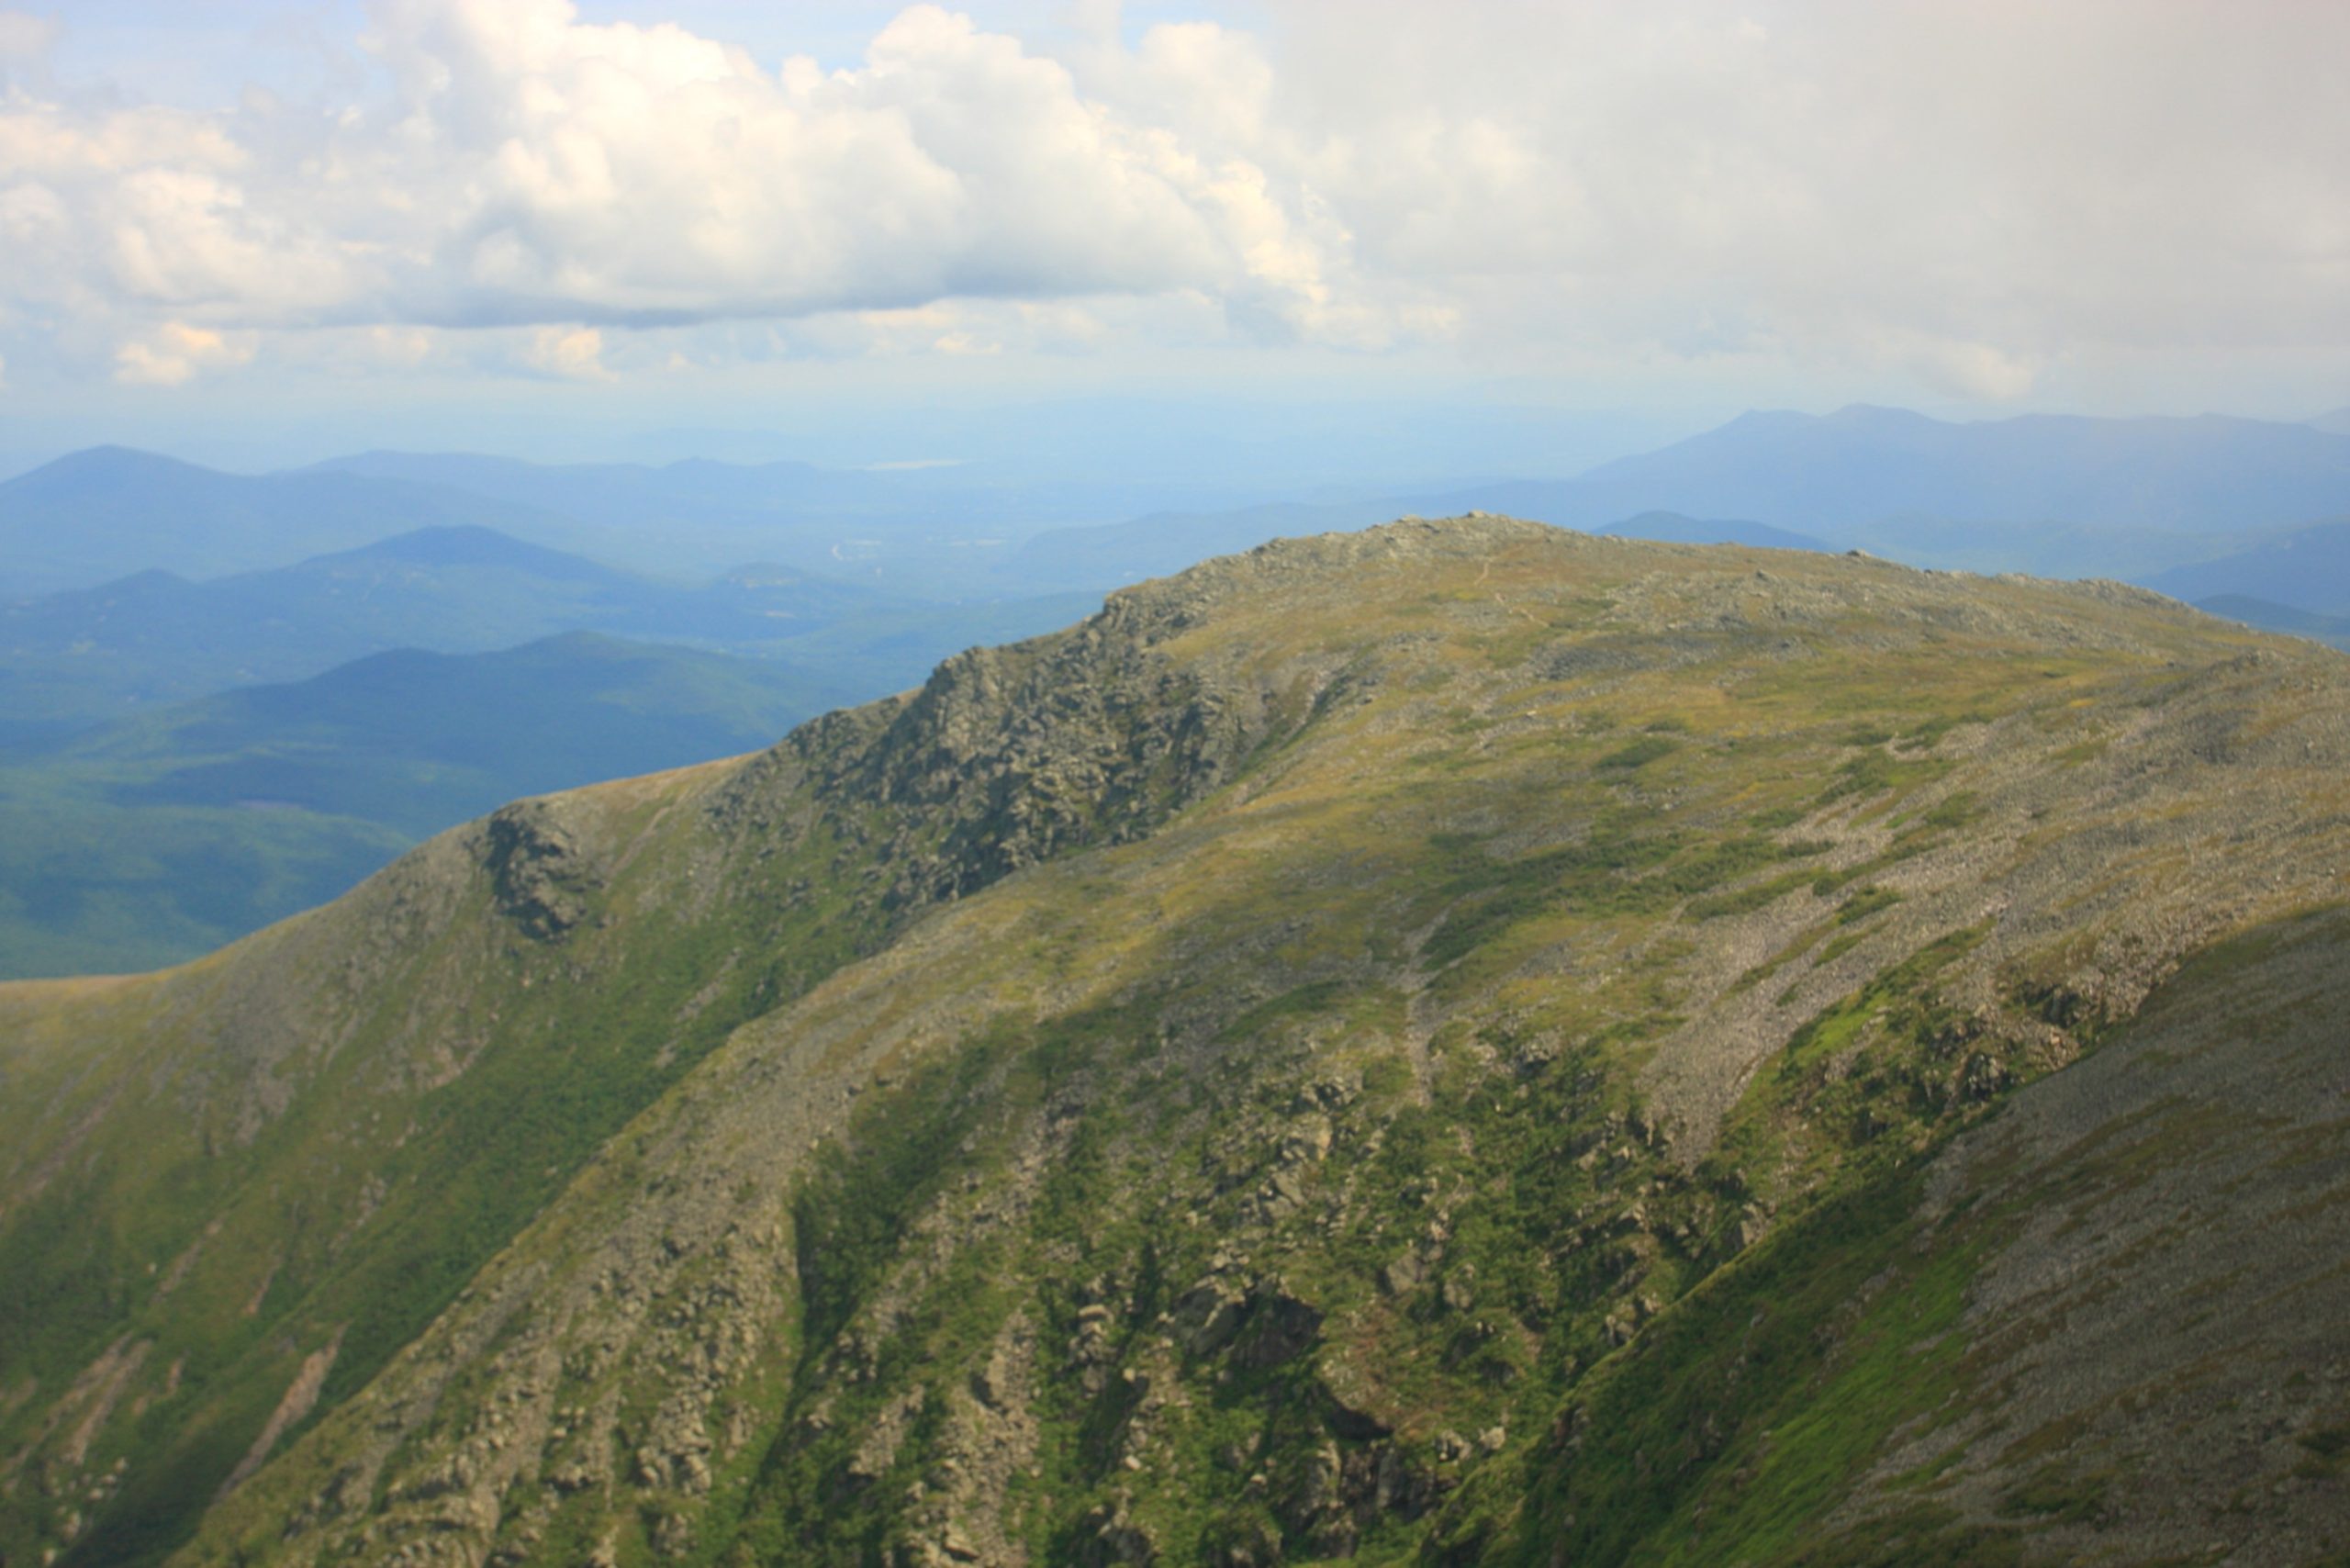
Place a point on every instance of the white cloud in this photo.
(1968, 193)
(404, 346)
(1989, 187)
(1976, 371)
(640, 175)
(177, 352)
(536, 169)
(575, 354)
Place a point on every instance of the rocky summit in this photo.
(1463, 1043)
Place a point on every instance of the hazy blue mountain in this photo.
(932, 530)
(1897, 482)
(155, 637)
(2306, 569)
(186, 823)
(108, 512)
(159, 837)
(2059, 497)
(159, 637)
(1024, 465)
(2044, 549)
(632, 493)
(418, 740)
(1672, 528)
(2273, 617)
(1862, 464)
(1115, 553)
(93, 517)
(895, 645)
(2337, 422)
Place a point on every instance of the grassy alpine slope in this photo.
(1438, 1042)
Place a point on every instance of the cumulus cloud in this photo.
(1976, 371)
(176, 353)
(1968, 192)
(405, 346)
(575, 354)
(534, 168)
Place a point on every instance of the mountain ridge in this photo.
(91, 515)
(2306, 569)
(1264, 1052)
(2063, 496)
(2210, 472)
(87, 654)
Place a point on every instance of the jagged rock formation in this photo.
(1366, 1048)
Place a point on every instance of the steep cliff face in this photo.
(1299, 1065)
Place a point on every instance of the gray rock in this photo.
(1207, 1316)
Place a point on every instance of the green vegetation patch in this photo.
(1743, 1416)
(1880, 772)
(1616, 870)
(1639, 753)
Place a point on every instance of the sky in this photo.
(1511, 236)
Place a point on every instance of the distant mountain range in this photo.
(2274, 617)
(2052, 494)
(71, 658)
(159, 837)
(1672, 528)
(108, 512)
(693, 515)
(1866, 469)
(2067, 495)
(940, 531)
(2307, 569)
(418, 740)
(625, 492)
(266, 739)
(1862, 464)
